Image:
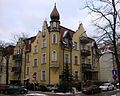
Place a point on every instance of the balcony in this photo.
(85, 52)
(16, 69)
(54, 65)
(86, 67)
(84, 40)
(17, 57)
(28, 47)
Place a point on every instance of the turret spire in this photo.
(55, 14)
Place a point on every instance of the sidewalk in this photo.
(56, 94)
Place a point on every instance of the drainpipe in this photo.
(49, 58)
(7, 69)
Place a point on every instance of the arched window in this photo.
(76, 75)
(43, 58)
(54, 39)
(43, 43)
(54, 56)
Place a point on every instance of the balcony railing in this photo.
(86, 67)
(85, 52)
(84, 40)
(54, 65)
(16, 69)
(17, 57)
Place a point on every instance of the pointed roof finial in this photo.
(55, 14)
(55, 5)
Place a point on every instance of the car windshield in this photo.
(10, 86)
(106, 84)
(22, 86)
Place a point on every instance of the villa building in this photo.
(42, 58)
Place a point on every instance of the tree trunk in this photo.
(115, 40)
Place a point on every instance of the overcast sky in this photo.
(28, 15)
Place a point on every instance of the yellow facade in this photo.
(17, 63)
(44, 63)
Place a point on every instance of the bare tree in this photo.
(5, 53)
(4, 44)
(16, 37)
(106, 15)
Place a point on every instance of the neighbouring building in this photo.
(6, 64)
(108, 68)
(1, 65)
(42, 58)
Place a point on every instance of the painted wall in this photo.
(106, 66)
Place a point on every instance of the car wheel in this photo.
(5, 92)
(22, 92)
(92, 92)
(113, 88)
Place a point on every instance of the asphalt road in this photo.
(109, 93)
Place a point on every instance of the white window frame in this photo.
(54, 55)
(43, 31)
(27, 70)
(36, 49)
(53, 39)
(54, 24)
(76, 46)
(43, 61)
(44, 43)
(35, 62)
(43, 76)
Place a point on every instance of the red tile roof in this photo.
(63, 29)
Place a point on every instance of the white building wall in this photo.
(106, 67)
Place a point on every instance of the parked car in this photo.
(35, 94)
(12, 89)
(54, 89)
(91, 89)
(117, 85)
(3, 87)
(107, 87)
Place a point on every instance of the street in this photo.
(109, 93)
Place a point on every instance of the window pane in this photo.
(76, 59)
(54, 56)
(54, 24)
(44, 43)
(35, 62)
(35, 49)
(43, 58)
(75, 45)
(54, 39)
(27, 70)
(43, 75)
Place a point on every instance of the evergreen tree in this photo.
(66, 79)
